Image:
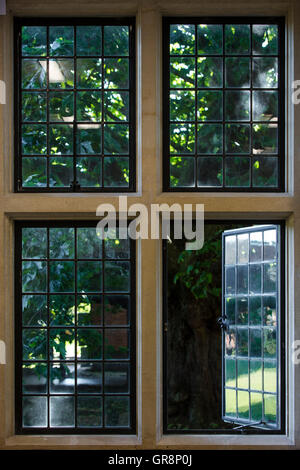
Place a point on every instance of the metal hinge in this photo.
(243, 427)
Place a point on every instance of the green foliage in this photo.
(89, 107)
(197, 104)
(196, 271)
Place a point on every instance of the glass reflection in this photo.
(35, 412)
(89, 377)
(242, 342)
(243, 374)
(62, 412)
(243, 248)
(62, 378)
(230, 250)
(230, 342)
(255, 246)
(34, 378)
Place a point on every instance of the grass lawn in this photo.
(256, 383)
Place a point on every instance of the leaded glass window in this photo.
(223, 104)
(251, 316)
(75, 112)
(224, 331)
(75, 320)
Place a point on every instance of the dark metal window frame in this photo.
(280, 21)
(19, 429)
(281, 340)
(76, 21)
(248, 231)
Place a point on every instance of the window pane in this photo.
(210, 171)
(210, 106)
(182, 138)
(116, 40)
(89, 276)
(34, 378)
(116, 412)
(34, 73)
(61, 40)
(210, 39)
(182, 72)
(116, 276)
(88, 243)
(226, 86)
(193, 340)
(88, 40)
(210, 139)
(62, 310)
(76, 89)
(265, 72)
(34, 243)
(34, 412)
(35, 106)
(62, 378)
(61, 73)
(237, 38)
(62, 412)
(34, 276)
(34, 344)
(237, 105)
(34, 39)
(89, 377)
(255, 363)
(34, 310)
(61, 242)
(34, 172)
(182, 39)
(89, 310)
(34, 139)
(61, 106)
(237, 139)
(237, 172)
(265, 39)
(182, 172)
(116, 139)
(89, 411)
(243, 405)
(116, 172)
(182, 105)
(77, 342)
(210, 72)
(234, 79)
(60, 172)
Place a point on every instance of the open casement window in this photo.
(251, 326)
(227, 380)
(75, 330)
(75, 105)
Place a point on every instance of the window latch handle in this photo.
(222, 321)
